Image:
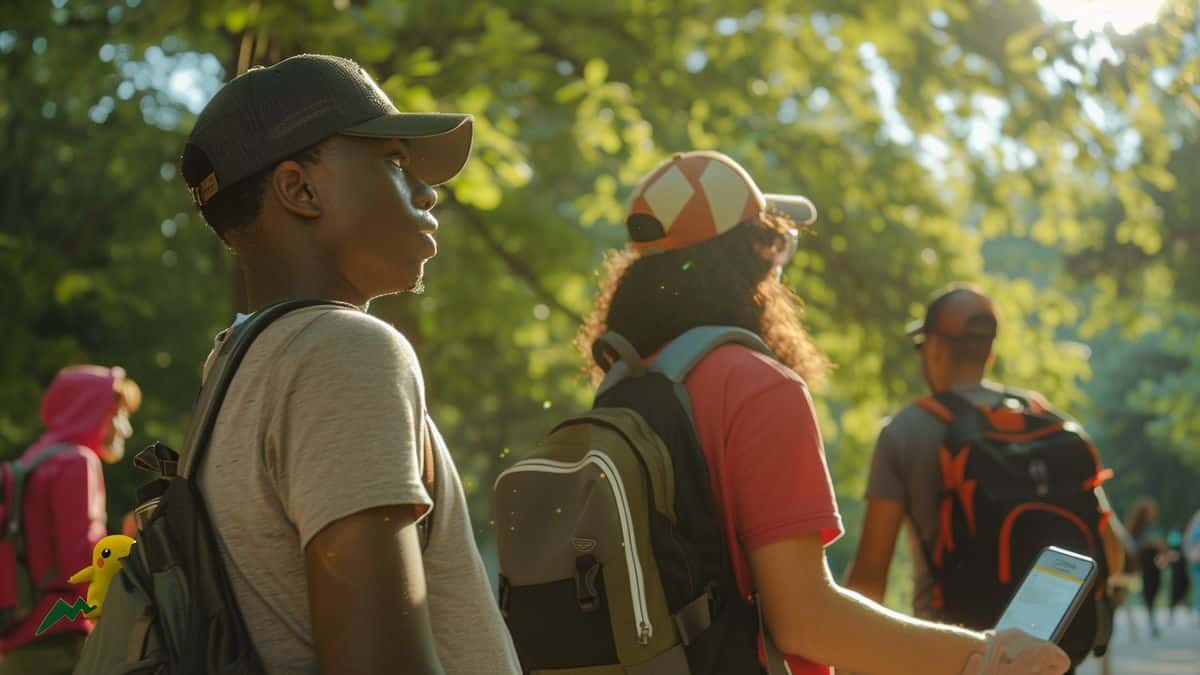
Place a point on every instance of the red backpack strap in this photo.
(934, 407)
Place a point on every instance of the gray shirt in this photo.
(326, 418)
(905, 469)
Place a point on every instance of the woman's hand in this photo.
(1015, 652)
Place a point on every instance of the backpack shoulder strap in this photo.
(204, 415)
(956, 403)
(933, 406)
(619, 359)
(20, 471)
(684, 352)
(429, 478)
(43, 455)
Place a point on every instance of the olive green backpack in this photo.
(612, 560)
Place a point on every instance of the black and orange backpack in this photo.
(1015, 479)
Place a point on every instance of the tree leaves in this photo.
(940, 142)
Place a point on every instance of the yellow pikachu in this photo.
(106, 562)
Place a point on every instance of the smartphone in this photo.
(1050, 594)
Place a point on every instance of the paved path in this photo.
(1175, 652)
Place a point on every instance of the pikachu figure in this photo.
(106, 562)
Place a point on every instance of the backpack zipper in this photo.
(637, 587)
(668, 479)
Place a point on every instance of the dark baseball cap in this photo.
(267, 114)
(958, 311)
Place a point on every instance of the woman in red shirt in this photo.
(707, 248)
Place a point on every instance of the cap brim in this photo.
(796, 207)
(440, 143)
(915, 327)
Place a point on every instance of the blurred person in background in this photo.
(1121, 585)
(1142, 523)
(914, 479)
(86, 413)
(1177, 563)
(1191, 549)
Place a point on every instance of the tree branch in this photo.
(518, 267)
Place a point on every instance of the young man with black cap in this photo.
(317, 473)
(906, 481)
(707, 248)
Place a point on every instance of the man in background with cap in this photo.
(905, 483)
(323, 458)
(707, 249)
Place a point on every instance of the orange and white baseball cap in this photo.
(695, 196)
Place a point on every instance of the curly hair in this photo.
(727, 280)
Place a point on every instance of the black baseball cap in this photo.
(265, 115)
(958, 312)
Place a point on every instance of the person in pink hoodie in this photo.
(86, 413)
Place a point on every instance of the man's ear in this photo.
(295, 190)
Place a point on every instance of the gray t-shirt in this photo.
(905, 469)
(326, 418)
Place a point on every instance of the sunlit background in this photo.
(1092, 16)
(1046, 149)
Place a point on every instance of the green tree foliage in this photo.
(1143, 413)
(921, 130)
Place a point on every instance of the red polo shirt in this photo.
(755, 421)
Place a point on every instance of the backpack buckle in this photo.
(587, 593)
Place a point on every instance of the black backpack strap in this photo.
(208, 405)
(958, 405)
(429, 478)
(776, 663)
(967, 420)
(960, 418)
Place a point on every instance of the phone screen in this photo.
(1048, 594)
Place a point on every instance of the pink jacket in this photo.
(64, 498)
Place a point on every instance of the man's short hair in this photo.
(240, 204)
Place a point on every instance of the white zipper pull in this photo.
(644, 633)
